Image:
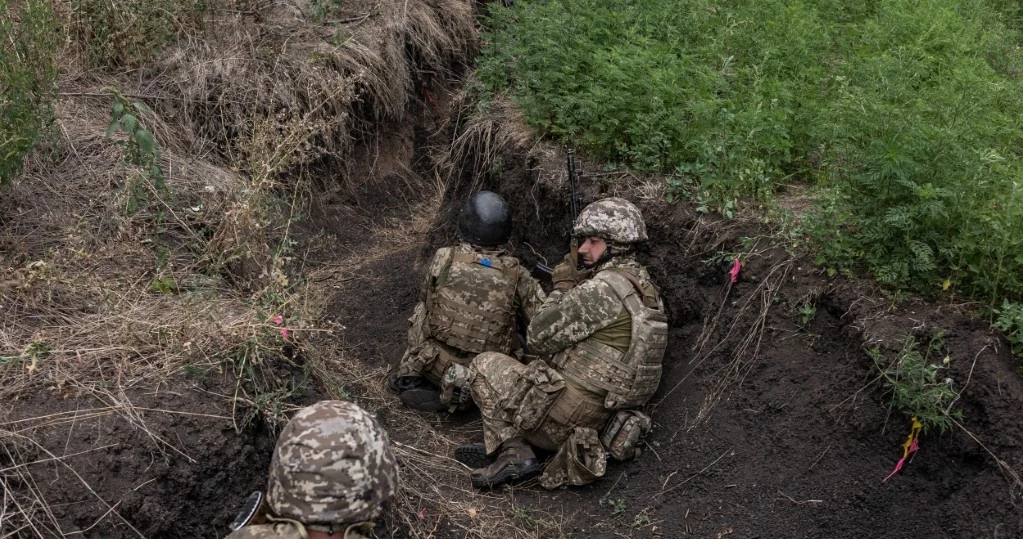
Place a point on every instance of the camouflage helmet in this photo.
(614, 219)
(485, 220)
(332, 465)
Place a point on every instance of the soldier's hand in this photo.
(566, 275)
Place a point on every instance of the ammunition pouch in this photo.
(531, 399)
(580, 460)
(624, 433)
(454, 387)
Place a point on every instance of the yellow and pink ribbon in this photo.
(908, 447)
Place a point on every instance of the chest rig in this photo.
(625, 379)
(473, 308)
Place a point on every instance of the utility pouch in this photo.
(580, 460)
(542, 386)
(624, 434)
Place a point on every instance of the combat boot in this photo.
(398, 383)
(424, 399)
(473, 455)
(516, 462)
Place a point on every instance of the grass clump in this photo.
(134, 32)
(917, 388)
(903, 114)
(27, 76)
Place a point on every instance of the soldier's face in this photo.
(591, 249)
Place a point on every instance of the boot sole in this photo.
(527, 470)
(474, 456)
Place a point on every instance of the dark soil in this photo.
(799, 435)
(794, 441)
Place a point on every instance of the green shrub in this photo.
(1010, 321)
(27, 75)
(916, 388)
(903, 113)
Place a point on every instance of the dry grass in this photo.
(483, 133)
(245, 113)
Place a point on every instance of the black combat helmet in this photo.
(485, 220)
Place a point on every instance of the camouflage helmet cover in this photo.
(332, 465)
(615, 219)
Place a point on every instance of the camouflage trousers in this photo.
(497, 388)
(427, 356)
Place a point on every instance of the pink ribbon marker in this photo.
(734, 272)
(908, 447)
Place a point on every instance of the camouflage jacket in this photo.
(474, 298)
(591, 306)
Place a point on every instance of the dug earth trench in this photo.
(771, 420)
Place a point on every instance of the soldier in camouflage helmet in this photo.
(604, 329)
(474, 299)
(332, 475)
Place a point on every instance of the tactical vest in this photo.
(473, 310)
(625, 379)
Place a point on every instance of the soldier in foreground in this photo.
(331, 476)
(474, 299)
(604, 328)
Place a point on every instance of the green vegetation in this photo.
(27, 76)
(140, 150)
(1010, 320)
(904, 114)
(807, 312)
(133, 32)
(916, 387)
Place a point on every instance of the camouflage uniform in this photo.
(606, 338)
(590, 312)
(471, 301)
(332, 471)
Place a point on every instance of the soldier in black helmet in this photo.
(473, 300)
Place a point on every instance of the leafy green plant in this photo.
(140, 149)
(807, 312)
(903, 114)
(1010, 321)
(27, 76)
(618, 505)
(917, 388)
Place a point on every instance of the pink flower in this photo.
(278, 320)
